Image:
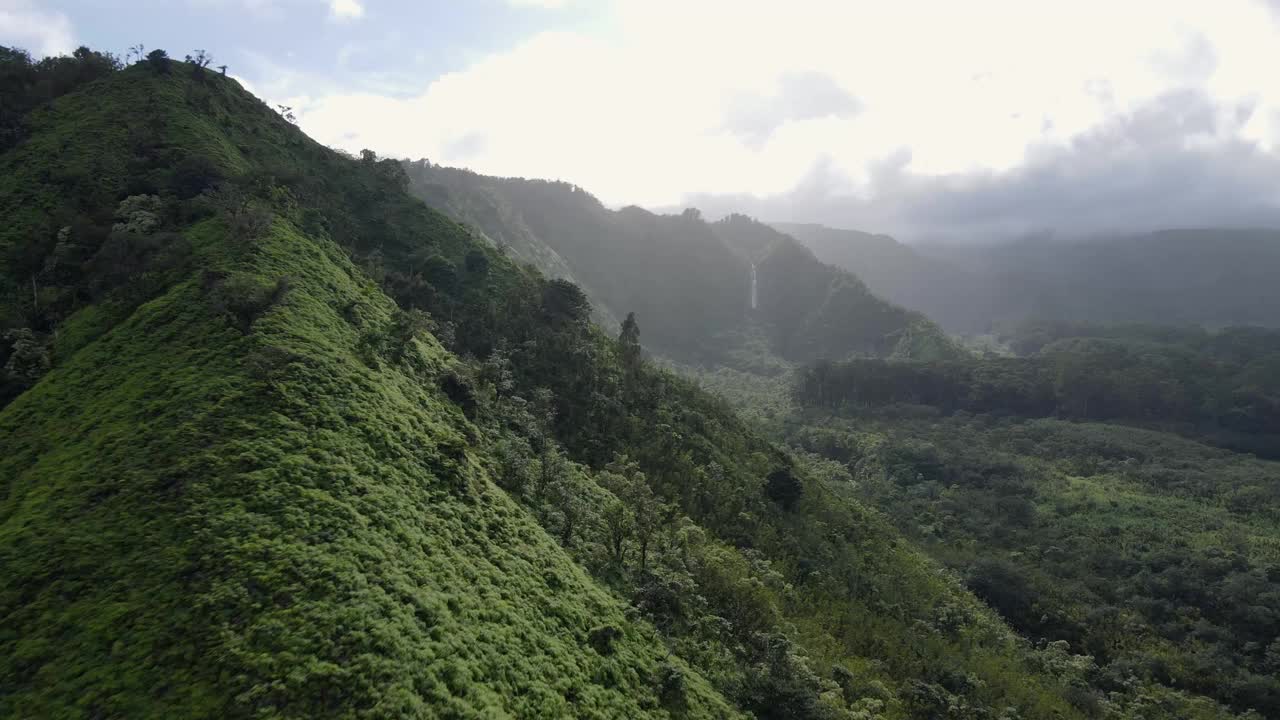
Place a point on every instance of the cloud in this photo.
(894, 115)
(1175, 161)
(799, 96)
(545, 4)
(42, 32)
(346, 9)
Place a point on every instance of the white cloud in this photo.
(548, 4)
(642, 112)
(346, 9)
(41, 32)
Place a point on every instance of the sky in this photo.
(930, 120)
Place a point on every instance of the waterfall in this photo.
(753, 286)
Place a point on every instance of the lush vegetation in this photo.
(1224, 386)
(27, 84)
(281, 441)
(1153, 555)
(1026, 512)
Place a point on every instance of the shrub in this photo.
(158, 60)
(602, 638)
(246, 297)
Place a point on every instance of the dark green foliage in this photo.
(1223, 386)
(564, 302)
(1148, 553)
(477, 263)
(193, 175)
(243, 297)
(671, 688)
(198, 62)
(26, 84)
(25, 360)
(629, 342)
(158, 61)
(783, 488)
(603, 637)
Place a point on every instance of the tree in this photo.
(564, 301)
(477, 263)
(623, 478)
(629, 342)
(199, 62)
(193, 175)
(28, 358)
(619, 524)
(158, 60)
(783, 488)
(566, 495)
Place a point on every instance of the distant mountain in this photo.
(902, 275)
(1209, 277)
(1213, 277)
(689, 281)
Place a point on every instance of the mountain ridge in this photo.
(688, 279)
(1209, 276)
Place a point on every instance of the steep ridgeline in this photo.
(281, 442)
(817, 311)
(1213, 277)
(960, 300)
(468, 198)
(688, 281)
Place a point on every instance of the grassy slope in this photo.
(197, 522)
(184, 537)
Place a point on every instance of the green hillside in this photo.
(280, 441)
(230, 503)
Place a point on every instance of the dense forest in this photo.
(1224, 386)
(1211, 277)
(1152, 554)
(280, 441)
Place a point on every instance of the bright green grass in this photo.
(185, 536)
